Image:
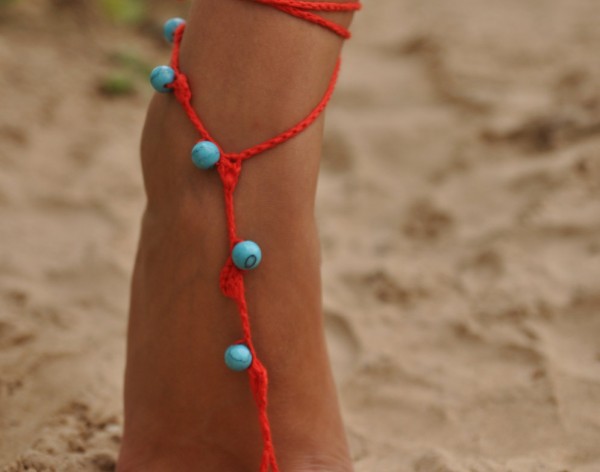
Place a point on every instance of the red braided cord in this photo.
(302, 9)
(313, 6)
(229, 168)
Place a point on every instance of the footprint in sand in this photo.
(343, 345)
(438, 461)
(425, 221)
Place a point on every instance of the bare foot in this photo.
(184, 410)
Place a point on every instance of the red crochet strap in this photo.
(303, 10)
(229, 168)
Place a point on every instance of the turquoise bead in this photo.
(205, 154)
(170, 26)
(246, 255)
(160, 77)
(238, 357)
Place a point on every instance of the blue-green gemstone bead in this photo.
(170, 26)
(238, 357)
(205, 154)
(160, 77)
(246, 255)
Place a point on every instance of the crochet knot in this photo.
(229, 170)
(181, 88)
(231, 280)
(259, 382)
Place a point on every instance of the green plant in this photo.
(131, 61)
(117, 84)
(126, 11)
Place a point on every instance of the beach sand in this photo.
(459, 208)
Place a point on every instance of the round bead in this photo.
(160, 77)
(246, 255)
(170, 26)
(238, 357)
(205, 154)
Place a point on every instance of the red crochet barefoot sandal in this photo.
(207, 153)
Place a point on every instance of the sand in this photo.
(459, 206)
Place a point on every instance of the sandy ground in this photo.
(459, 206)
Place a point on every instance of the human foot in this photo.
(184, 409)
